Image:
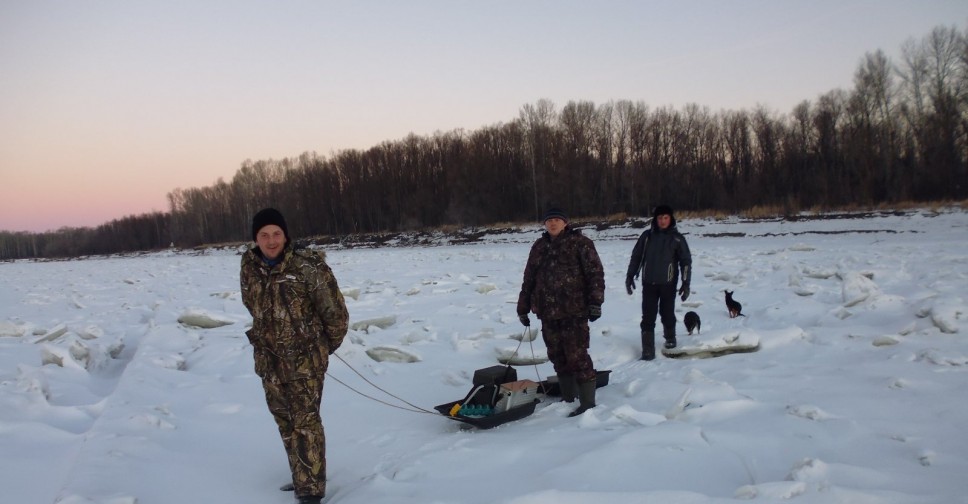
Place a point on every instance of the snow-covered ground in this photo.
(129, 379)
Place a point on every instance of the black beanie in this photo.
(268, 216)
(662, 210)
(554, 213)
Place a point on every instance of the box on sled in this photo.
(496, 397)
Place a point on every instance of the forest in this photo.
(900, 134)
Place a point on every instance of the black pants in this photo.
(659, 299)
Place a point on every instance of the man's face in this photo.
(271, 241)
(664, 221)
(554, 226)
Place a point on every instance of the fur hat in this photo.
(268, 216)
(554, 213)
(662, 210)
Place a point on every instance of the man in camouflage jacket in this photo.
(299, 318)
(564, 285)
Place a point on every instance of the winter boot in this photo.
(310, 499)
(670, 338)
(569, 387)
(586, 397)
(648, 345)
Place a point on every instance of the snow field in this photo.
(129, 379)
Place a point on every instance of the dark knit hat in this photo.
(554, 213)
(662, 210)
(268, 216)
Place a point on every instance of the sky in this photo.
(129, 380)
(108, 106)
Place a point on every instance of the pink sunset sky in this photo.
(107, 106)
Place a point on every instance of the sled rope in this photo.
(534, 361)
(413, 407)
(417, 409)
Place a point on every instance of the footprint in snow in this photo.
(809, 412)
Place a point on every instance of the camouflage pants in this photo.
(295, 407)
(567, 341)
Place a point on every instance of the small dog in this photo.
(734, 307)
(692, 322)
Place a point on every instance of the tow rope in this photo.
(413, 407)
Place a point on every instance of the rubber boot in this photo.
(648, 345)
(586, 397)
(569, 387)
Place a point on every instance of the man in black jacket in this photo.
(661, 254)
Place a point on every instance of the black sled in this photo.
(497, 397)
(552, 388)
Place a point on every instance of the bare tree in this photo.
(539, 121)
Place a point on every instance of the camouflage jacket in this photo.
(563, 277)
(299, 316)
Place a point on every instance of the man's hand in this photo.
(684, 291)
(629, 285)
(524, 320)
(594, 313)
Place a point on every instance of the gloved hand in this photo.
(524, 319)
(594, 313)
(684, 291)
(629, 285)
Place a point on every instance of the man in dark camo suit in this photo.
(564, 285)
(299, 318)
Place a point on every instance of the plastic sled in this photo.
(487, 422)
(491, 391)
(552, 388)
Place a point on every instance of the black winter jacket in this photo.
(661, 255)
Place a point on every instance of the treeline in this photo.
(150, 231)
(900, 134)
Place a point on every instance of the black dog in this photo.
(734, 307)
(692, 322)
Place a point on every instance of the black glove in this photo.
(524, 319)
(594, 313)
(629, 285)
(684, 291)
